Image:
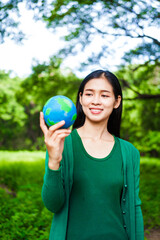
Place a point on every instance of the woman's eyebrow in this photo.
(99, 90)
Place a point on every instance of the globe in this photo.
(59, 108)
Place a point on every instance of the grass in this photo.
(23, 215)
(150, 192)
(21, 156)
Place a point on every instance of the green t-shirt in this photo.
(94, 210)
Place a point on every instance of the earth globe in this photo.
(59, 108)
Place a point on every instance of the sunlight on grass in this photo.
(151, 161)
(23, 156)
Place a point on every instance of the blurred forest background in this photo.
(21, 100)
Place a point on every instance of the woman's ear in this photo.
(117, 102)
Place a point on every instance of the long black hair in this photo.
(115, 117)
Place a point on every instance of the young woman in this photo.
(91, 181)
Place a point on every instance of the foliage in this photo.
(143, 81)
(23, 215)
(101, 21)
(12, 115)
(149, 192)
(85, 19)
(22, 100)
(47, 80)
(140, 118)
(110, 21)
(9, 18)
(10, 108)
(8, 13)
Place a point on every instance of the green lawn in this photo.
(21, 156)
(23, 215)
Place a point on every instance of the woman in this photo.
(91, 181)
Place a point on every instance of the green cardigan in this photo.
(58, 183)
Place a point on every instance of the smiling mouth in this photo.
(96, 111)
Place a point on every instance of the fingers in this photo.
(61, 133)
(61, 137)
(56, 137)
(54, 130)
(57, 125)
(42, 124)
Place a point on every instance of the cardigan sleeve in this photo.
(53, 194)
(138, 212)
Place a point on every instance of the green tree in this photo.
(12, 115)
(109, 20)
(85, 18)
(140, 119)
(22, 100)
(46, 81)
(10, 108)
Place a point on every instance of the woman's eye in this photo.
(88, 94)
(104, 96)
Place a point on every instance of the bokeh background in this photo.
(73, 39)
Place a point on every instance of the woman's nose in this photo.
(96, 100)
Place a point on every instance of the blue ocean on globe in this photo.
(59, 108)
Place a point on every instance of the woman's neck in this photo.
(95, 131)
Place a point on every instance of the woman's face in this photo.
(98, 99)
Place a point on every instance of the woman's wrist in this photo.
(53, 165)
